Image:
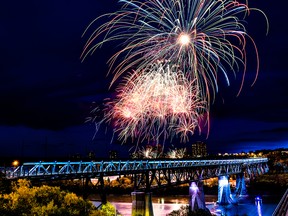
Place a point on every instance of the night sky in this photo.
(46, 91)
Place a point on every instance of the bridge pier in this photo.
(102, 190)
(196, 196)
(142, 204)
(240, 189)
(224, 191)
(85, 182)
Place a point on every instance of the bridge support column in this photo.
(86, 187)
(102, 190)
(196, 196)
(224, 191)
(240, 189)
(142, 204)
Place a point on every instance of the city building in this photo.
(113, 154)
(199, 149)
(91, 155)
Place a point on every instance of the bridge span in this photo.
(194, 169)
(152, 174)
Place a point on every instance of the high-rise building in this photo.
(113, 154)
(199, 149)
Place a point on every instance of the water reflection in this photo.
(258, 203)
(158, 208)
(165, 205)
(259, 210)
(246, 206)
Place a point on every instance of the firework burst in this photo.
(196, 35)
(155, 103)
(176, 153)
(148, 153)
(204, 41)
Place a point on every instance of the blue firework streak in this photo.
(205, 38)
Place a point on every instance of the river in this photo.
(163, 205)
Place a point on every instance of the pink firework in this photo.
(155, 103)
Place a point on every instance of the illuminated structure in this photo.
(240, 189)
(224, 193)
(199, 149)
(196, 194)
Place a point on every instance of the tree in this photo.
(46, 200)
(108, 209)
(185, 211)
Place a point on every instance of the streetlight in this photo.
(15, 163)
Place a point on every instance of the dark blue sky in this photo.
(46, 92)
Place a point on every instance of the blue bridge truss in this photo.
(146, 174)
(171, 170)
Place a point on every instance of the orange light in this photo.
(15, 163)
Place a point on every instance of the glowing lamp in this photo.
(15, 163)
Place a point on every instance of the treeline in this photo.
(269, 184)
(123, 185)
(21, 198)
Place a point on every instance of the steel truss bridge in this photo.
(147, 174)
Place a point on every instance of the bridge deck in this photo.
(95, 169)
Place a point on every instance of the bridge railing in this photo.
(282, 207)
(33, 169)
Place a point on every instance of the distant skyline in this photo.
(46, 92)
